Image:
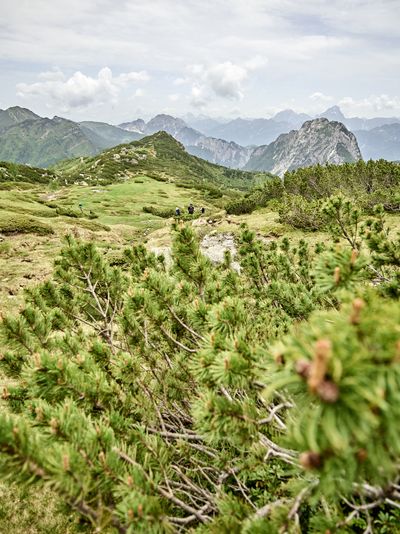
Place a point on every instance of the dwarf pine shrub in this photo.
(199, 398)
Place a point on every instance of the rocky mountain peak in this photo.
(169, 124)
(318, 141)
(137, 125)
(334, 113)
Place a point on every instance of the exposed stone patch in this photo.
(215, 245)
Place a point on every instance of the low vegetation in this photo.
(12, 223)
(14, 173)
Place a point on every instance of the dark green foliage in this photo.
(159, 212)
(15, 173)
(238, 207)
(198, 398)
(12, 223)
(67, 212)
(370, 183)
(259, 197)
(302, 194)
(300, 213)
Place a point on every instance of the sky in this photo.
(117, 60)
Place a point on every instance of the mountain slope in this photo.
(14, 172)
(317, 141)
(42, 142)
(159, 156)
(108, 135)
(27, 138)
(382, 142)
(15, 115)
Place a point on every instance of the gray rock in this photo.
(317, 141)
(215, 245)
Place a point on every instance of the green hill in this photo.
(27, 138)
(159, 156)
(15, 115)
(43, 142)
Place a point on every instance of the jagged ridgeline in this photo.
(161, 157)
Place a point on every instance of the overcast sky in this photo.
(115, 60)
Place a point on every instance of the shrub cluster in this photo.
(165, 213)
(12, 223)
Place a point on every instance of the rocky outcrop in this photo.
(222, 152)
(213, 246)
(318, 141)
(138, 126)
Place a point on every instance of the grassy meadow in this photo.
(34, 220)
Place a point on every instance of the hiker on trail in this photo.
(203, 210)
(177, 212)
(190, 209)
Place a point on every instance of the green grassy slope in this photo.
(160, 156)
(34, 219)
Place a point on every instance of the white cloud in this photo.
(180, 81)
(199, 96)
(174, 97)
(371, 104)
(222, 80)
(320, 97)
(313, 44)
(52, 75)
(226, 79)
(139, 92)
(80, 90)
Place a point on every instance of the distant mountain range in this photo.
(27, 138)
(251, 131)
(241, 133)
(356, 123)
(263, 131)
(317, 141)
(241, 143)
